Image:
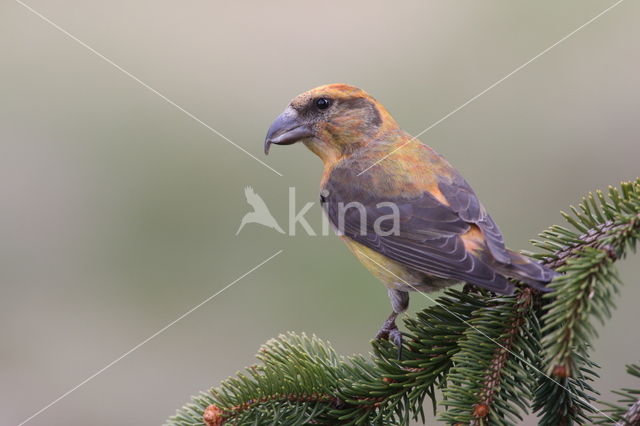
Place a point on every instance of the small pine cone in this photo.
(560, 371)
(213, 416)
(481, 410)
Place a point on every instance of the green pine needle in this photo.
(492, 358)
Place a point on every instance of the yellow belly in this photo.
(393, 274)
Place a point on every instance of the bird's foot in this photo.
(389, 331)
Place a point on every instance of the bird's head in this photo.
(332, 121)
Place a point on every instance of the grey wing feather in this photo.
(428, 239)
(464, 201)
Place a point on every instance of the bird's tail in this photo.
(528, 271)
(242, 224)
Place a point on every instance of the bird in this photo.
(440, 235)
(260, 213)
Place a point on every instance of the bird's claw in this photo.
(396, 337)
(389, 331)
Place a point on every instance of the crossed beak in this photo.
(288, 128)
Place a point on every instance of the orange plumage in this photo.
(441, 235)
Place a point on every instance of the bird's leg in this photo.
(389, 329)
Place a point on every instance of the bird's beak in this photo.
(288, 128)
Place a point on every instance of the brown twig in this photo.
(494, 372)
(631, 417)
(216, 416)
(591, 239)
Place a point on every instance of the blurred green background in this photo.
(118, 212)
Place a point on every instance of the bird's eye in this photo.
(323, 103)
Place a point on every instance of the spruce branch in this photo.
(563, 401)
(491, 380)
(626, 411)
(430, 344)
(485, 353)
(604, 229)
(631, 417)
(294, 384)
(589, 280)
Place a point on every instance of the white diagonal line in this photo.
(590, 21)
(480, 331)
(136, 347)
(142, 83)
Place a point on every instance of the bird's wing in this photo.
(432, 237)
(465, 203)
(255, 200)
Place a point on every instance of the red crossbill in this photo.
(440, 234)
